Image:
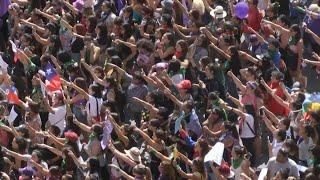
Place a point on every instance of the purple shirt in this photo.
(4, 4)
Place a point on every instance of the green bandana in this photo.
(236, 163)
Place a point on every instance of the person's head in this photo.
(250, 74)
(34, 108)
(181, 49)
(19, 144)
(36, 155)
(140, 172)
(168, 39)
(238, 152)
(128, 12)
(126, 31)
(95, 90)
(283, 21)
(198, 166)
(101, 30)
(202, 41)
(166, 170)
(163, 113)
(273, 10)
(159, 135)
(295, 32)
(253, 3)
(57, 99)
(79, 29)
(93, 165)
(276, 76)
(281, 135)
(284, 124)
(145, 47)
(251, 87)
(282, 155)
(215, 114)
(315, 155)
(55, 130)
(282, 174)
(97, 131)
(188, 106)
(274, 45)
(159, 32)
(174, 67)
(166, 21)
(306, 130)
(54, 173)
(81, 82)
(292, 148)
(202, 147)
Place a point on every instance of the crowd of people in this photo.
(159, 89)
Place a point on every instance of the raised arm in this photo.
(173, 98)
(77, 88)
(315, 63)
(145, 104)
(271, 116)
(41, 40)
(220, 51)
(40, 168)
(81, 125)
(118, 131)
(236, 111)
(121, 155)
(34, 26)
(210, 36)
(260, 38)
(51, 149)
(95, 77)
(121, 172)
(249, 57)
(269, 124)
(237, 81)
(315, 37)
(157, 153)
(149, 140)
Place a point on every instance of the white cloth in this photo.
(58, 118)
(91, 106)
(246, 132)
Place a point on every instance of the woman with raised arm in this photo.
(94, 100)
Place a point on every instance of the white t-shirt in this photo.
(246, 132)
(59, 117)
(91, 106)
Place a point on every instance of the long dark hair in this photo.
(295, 28)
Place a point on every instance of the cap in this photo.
(71, 136)
(185, 84)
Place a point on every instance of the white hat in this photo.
(314, 8)
(134, 154)
(218, 12)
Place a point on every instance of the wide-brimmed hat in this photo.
(218, 12)
(314, 8)
(133, 154)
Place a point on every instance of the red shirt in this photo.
(273, 105)
(254, 18)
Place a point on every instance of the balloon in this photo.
(241, 10)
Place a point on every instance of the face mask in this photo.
(178, 54)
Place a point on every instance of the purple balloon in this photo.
(241, 10)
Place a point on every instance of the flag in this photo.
(3, 64)
(12, 95)
(178, 122)
(12, 116)
(53, 82)
(14, 49)
(311, 103)
(106, 136)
